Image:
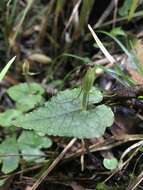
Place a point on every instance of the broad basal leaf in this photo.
(10, 159)
(26, 96)
(110, 163)
(74, 97)
(29, 102)
(8, 116)
(30, 144)
(63, 116)
(21, 90)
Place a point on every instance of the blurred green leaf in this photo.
(2, 182)
(123, 11)
(85, 12)
(8, 116)
(133, 6)
(110, 163)
(102, 186)
(85, 60)
(29, 142)
(29, 102)
(117, 68)
(18, 27)
(5, 69)
(26, 96)
(128, 9)
(117, 32)
(10, 158)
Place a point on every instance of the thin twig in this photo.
(123, 165)
(138, 144)
(72, 16)
(101, 46)
(106, 145)
(105, 14)
(105, 61)
(54, 163)
(137, 14)
(115, 13)
(18, 27)
(135, 183)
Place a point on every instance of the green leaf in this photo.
(102, 186)
(110, 163)
(27, 96)
(2, 182)
(29, 102)
(21, 90)
(31, 143)
(74, 97)
(63, 116)
(32, 139)
(123, 11)
(8, 116)
(128, 9)
(5, 69)
(85, 13)
(140, 97)
(9, 147)
(85, 60)
(133, 8)
(117, 32)
(31, 154)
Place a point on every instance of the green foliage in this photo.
(117, 31)
(128, 9)
(117, 70)
(102, 186)
(110, 163)
(84, 60)
(8, 116)
(124, 49)
(87, 84)
(24, 14)
(12, 8)
(85, 12)
(29, 144)
(5, 69)
(10, 158)
(63, 116)
(26, 96)
(2, 182)
(123, 11)
(133, 8)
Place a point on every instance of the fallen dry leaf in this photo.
(40, 58)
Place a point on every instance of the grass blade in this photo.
(18, 28)
(101, 46)
(5, 69)
(133, 8)
(85, 12)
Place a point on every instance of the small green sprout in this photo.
(87, 84)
